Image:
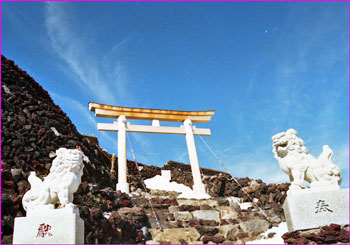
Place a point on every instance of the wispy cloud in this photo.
(102, 77)
(75, 106)
(67, 43)
(80, 111)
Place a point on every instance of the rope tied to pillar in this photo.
(143, 184)
(226, 169)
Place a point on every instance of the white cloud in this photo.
(82, 112)
(75, 106)
(71, 48)
(103, 77)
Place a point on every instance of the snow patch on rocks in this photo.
(159, 182)
(277, 233)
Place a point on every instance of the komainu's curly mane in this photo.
(59, 186)
(294, 159)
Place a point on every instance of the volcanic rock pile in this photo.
(220, 184)
(32, 127)
(110, 216)
(180, 171)
(328, 234)
(208, 221)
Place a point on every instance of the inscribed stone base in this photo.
(306, 209)
(52, 227)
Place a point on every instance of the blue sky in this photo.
(264, 67)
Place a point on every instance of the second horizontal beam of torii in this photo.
(152, 129)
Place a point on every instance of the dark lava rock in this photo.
(189, 208)
(207, 230)
(208, 222)
(216, 239)
(29, 119)
(333, 233)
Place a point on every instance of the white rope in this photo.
(142, 182)
(226, 169)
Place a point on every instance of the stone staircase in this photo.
(210, 221)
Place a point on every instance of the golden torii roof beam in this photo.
(102, 110)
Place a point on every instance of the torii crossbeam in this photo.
(155, 115)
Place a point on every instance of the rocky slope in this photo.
(33, 127)
(328, 234)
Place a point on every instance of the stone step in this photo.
(217, 214)
(175, 235)
(198, 202)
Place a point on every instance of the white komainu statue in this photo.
(295, 160)
(63, 180)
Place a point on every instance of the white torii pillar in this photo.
(198, 186)
(122, 184)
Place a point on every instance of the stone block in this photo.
(235, 202)
(197, 202)
(254, 226)
(306, 209)
(173, 235)
(173, 209)
(229, 231)
(182, 216)
(152, 242)
(207, 215)
(227, 213)
(54, 228)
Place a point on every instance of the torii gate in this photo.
(122, 113)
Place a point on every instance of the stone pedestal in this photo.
(123, 187)
(199, 189)
(309, 208)
(56, 226)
